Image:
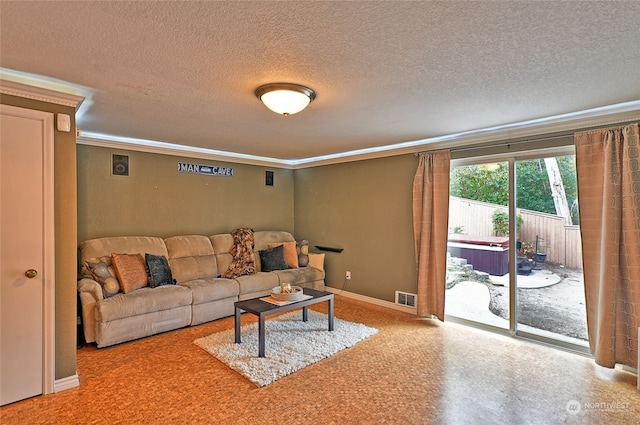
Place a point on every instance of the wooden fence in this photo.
(560, 242)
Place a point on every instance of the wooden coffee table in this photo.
(262, 309)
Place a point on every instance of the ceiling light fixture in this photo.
(285, 98)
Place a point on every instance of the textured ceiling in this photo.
(385, 72)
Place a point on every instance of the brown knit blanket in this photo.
(243, 262)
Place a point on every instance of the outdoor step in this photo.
(482, 274)
(468, 266)
(451, 276)
(458, 261)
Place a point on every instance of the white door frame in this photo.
(48, 249)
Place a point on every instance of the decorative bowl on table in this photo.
(279, 293)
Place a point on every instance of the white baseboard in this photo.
(66, 383)
(371, 300)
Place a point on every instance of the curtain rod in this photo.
(539, 139)
(508, 144)
(529, 140)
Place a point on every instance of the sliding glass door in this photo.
(514, 247)
(550, 301)
(478, 245)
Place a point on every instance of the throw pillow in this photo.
(316, 260)
(290, 253)
(303, 253)
(100, 271)
(273, 259)
(130, 270)
(159, 270)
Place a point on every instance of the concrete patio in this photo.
(550, 300)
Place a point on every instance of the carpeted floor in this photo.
(411, 372)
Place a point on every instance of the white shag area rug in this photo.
(290, 345)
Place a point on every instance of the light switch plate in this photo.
(64, 122)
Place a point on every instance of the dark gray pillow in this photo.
(158, 270)
(273, 259)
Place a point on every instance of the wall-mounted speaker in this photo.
(120, 165)
(268, 178)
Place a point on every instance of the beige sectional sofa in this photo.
(199, 295)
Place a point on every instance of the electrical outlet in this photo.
(348, 275)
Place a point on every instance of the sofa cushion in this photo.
(191, 257)
(130, 270)
(273, 259)
(222, 245)
(290, 253)
(207, 290)
(142, 301)
(121, 244)
(262, 239)
(257, 283)
(159, 270)
(299, 276)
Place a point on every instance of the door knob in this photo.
(31, 273)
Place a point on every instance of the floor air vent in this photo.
(406, 299)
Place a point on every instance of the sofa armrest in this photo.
(91, 287)
(90, 292)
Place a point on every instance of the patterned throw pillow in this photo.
(273, 259)
(159, 270)
(131, 271)
(101, 271)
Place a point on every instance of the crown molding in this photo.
(163, 148)
(570, 122)
(565, 123)
(13, 88)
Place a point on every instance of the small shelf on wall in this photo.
(329, 248)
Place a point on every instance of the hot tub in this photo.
(489, 254)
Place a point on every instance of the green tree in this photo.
(500, 220)
(486, 182)
(489, 183)
(532, 187)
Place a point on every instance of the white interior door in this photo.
(25, 269)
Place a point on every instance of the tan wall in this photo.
(65, 235)
(157, 200)
(365, 208)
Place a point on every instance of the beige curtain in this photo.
(430, 222)
(608, 168)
